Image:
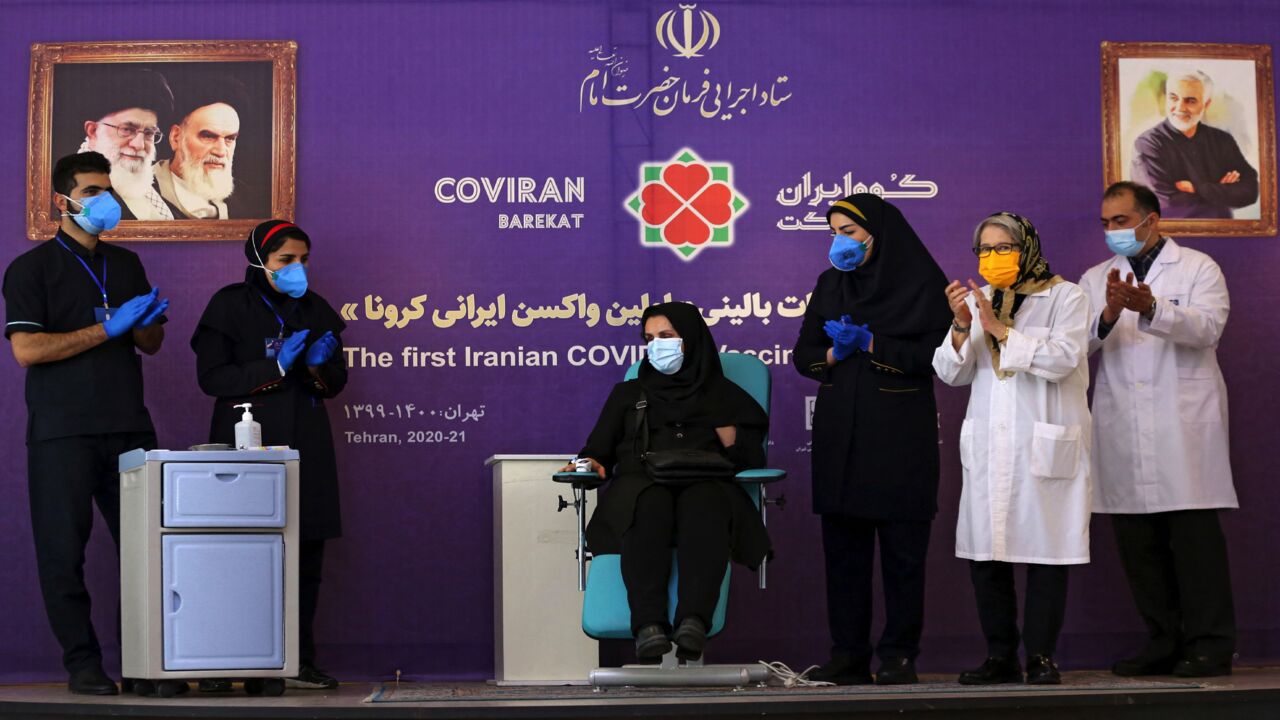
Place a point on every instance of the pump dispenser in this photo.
(248, 432)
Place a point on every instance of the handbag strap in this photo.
(642, 427)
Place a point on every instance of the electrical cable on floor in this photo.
(790, 678)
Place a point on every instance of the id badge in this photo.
(273, 347)
(101, 314)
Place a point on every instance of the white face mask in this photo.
(666, 355)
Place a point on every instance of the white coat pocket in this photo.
(967, 451)
(1198, 396)
(1055, 450)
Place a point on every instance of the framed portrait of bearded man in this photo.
(1195, 122)
(199, 134)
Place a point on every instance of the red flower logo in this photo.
(686, 203)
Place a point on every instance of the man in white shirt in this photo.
(1160, 455)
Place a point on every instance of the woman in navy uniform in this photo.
(272, 342)
(868, 337)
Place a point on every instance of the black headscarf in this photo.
(267, 238)
(225, 313)
(698, 393)
(900, 289)
(263, 240)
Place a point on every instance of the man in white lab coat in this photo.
(1160, 456)
(1021, 345)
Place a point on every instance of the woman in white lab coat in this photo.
(1020, 343)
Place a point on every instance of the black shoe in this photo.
(1041, 670)
(92, 681)
(652, 643)
(842, 670)
(311, 677)
(897, 671)
(995, 671)
(213, 685)
(1144, 664)
(1202, 666)
(690, 639)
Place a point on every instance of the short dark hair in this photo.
(1146, 200)
(66, 169)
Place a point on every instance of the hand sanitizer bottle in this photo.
(248, 432)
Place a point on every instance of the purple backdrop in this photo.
(994, 102)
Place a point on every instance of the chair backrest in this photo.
(746, 371)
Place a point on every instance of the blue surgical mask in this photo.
(666, 355)
(846, 253)
(97, 215)
(1125, 242)
(291, 279)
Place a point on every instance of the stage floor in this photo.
(1252, 693)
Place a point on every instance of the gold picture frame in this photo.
(1135, 103)
(263, 71)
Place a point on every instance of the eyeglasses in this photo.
(152, 135)
(1001, 249)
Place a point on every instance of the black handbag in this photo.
(677, 467)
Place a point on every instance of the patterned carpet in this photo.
(480, 692)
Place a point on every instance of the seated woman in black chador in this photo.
(691, 405)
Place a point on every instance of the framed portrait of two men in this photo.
(200, 134)
(1196, 123)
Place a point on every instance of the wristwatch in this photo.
(962, 329)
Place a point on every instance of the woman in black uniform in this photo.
(271, 342)
(868, 337)
(690, 405)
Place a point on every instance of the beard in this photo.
(210, 182)
(1184, 122)
(131, 176)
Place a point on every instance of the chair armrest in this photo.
(586, 480)
(761, 475)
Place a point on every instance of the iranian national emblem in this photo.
(686, 204)
(675, 31)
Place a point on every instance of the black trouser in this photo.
(998, 607)
(310, 563)
(696, 519)
(848, 545)
(65, 478)
(1176, 563)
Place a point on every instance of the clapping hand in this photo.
(129, 314)
(293, 347)
(321, 350)
(1126, 295)
(847, 337)
(991, 325)
(956, 296)
(155, 310)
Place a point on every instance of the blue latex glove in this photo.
(154, 312)
(129, 314)
(322, 349)
(293, 346)
(847, 337)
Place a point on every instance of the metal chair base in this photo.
(673, 674)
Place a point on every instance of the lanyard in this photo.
(272, 308)
(102, 285)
